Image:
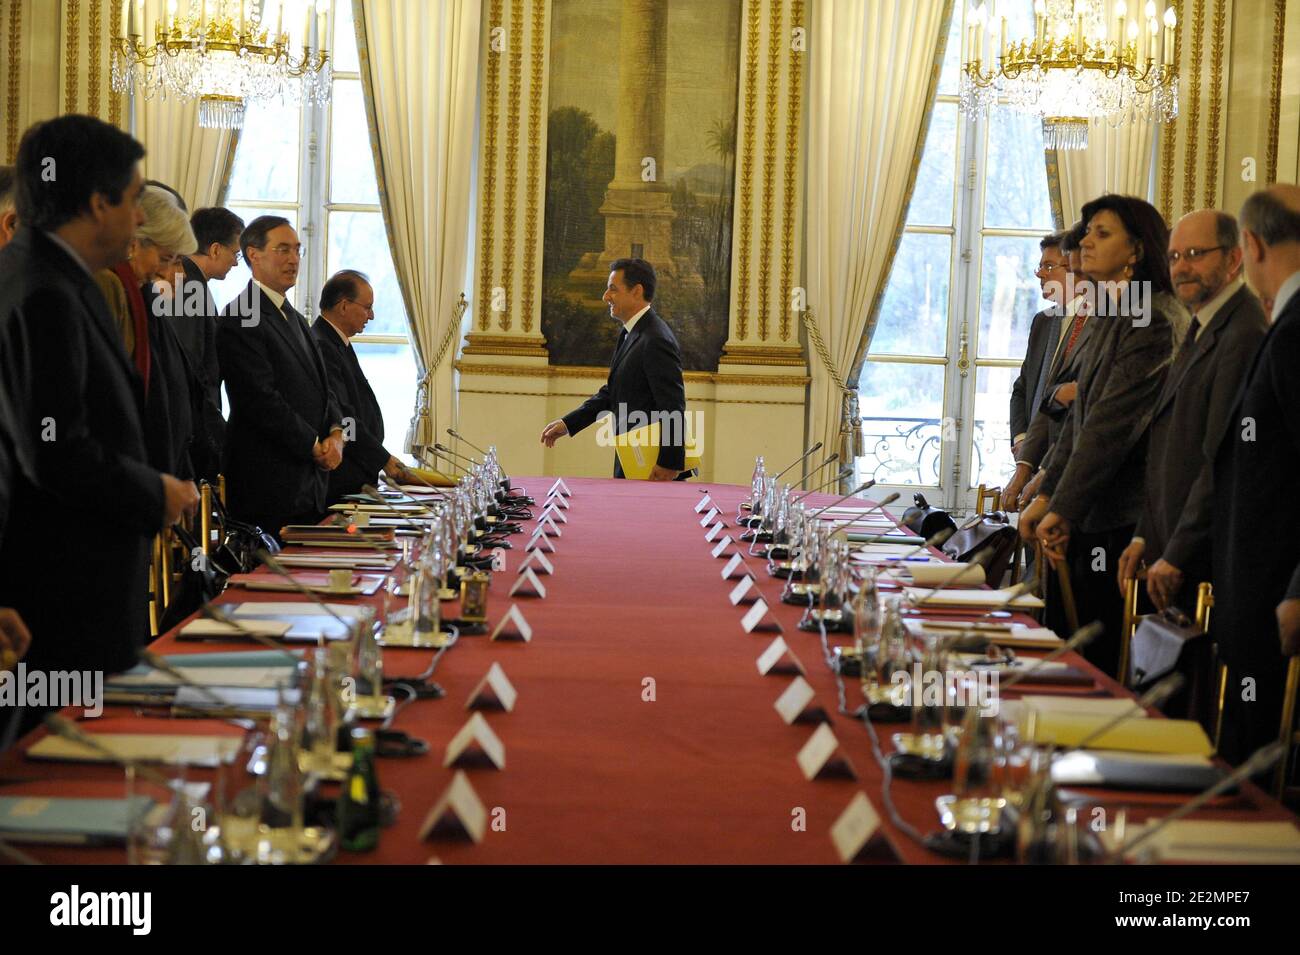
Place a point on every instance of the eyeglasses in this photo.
(1194, 255)
(370, 309)
(286, 249)
(235, 254)
(1045, 269)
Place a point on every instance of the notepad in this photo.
(140, 747)
(941, 574)
(1222, 841)
(142, 676)
(203, 628)
(979, 599)
(60, 820)
(1135, 735)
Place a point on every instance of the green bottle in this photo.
(358, 806)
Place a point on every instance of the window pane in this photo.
(990, 447)
(914, 312)
(352, 167)
(392, 375)
(266, 161)
(952, 54)
(224, 290)
(357, 241)
(932, 197)
(344, 47)
(1009, 295)
(901, 407)
(1016, 190)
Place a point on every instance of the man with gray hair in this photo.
(1256, 514)
(1228, 324)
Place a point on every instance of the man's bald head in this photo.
(1204, 255)
(1270, 239)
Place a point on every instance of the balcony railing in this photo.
(908, 451)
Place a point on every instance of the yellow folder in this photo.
(638, 450)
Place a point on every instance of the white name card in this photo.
(513, 626)
(457, 811)
(778, 658)
(555, 514)
(821, 755)
(540, 541)
(524, 581)
(796, 705)
(739, 591)
(538, 561)
(737, 561)
(559, 487)
(494, 691)
(855, 828)
(722, 545)
(704, 502)
(556, 500)
(547, 526)
(476, 732)
(714, 531)
(707, 519)
(757, 617)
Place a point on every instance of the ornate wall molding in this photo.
(1275, 92)
(767, 259)
(510, 201)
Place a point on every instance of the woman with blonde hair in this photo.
(139, 305)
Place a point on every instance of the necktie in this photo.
(296, 323)
(1079, 319)
(1189, 346)
(618, 349)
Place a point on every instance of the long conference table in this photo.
(643, 731)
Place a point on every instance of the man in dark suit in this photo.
(347, 303)
(1192, 411)
(1044, 335)
(284, 433)
(645, 375)
(216, 233)
(72, 405)
(1256, 576)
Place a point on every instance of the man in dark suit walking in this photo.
(1256, 576)
(347, 304)
(285, 432)
(645, 375)
(1044, 335)
(1228, 324)
(71, 406)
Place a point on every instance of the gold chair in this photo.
(155, 585)
(1063, 580)
(992, 494)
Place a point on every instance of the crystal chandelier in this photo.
(221, 53)
(1087, 59)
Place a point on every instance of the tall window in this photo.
(313, 165)
(936, 385)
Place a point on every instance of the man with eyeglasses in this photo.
(347, 304)
(1044, 334)
(1193, 410)
(216, 230)
(285, 431)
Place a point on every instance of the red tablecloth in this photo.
(596, 772)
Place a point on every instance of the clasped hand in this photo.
(328, 454)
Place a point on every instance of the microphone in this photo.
(835, 456)
(279, 570)
(455, 466)
(1262, 760)
(815, 448)
(838, 477)
(460, 437)
(464, 457)
(857, 490)
(1078, 640)
(64, 727)
(213, 612)
(836, 528)
(222, 706)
